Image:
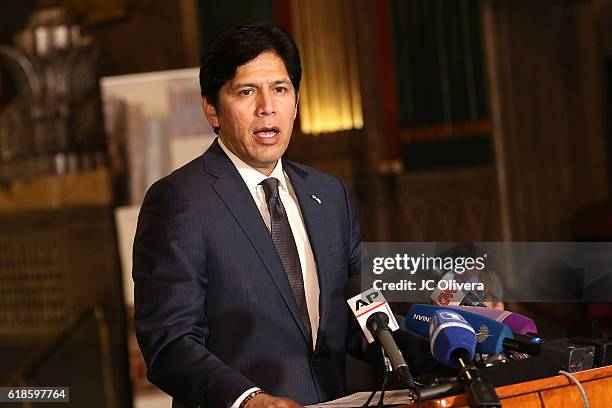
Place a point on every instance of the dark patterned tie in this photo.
(286, 248)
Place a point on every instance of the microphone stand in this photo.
(388, 369)
(480, 394)
(440, 390)
(378, 324)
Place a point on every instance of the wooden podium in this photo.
(552, 392)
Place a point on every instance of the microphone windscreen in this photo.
(490, 333)
(444, 296)
(449, 331)
(516, 322)
(418, 319)
(520, 324)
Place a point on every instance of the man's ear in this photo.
(210, 112)
(297, 101)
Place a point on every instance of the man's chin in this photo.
(268, 154)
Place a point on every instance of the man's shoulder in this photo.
(189, 177)
(193, 170)
(313, 174)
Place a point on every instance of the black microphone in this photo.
(378, 324)
(375, 318)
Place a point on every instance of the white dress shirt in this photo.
(252, 178)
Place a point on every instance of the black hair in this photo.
(238, 45)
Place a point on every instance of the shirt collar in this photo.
(250, 175)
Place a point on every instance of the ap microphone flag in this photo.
(364, 304)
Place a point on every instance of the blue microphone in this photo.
(490, 333)
(453, 342)
(448, 333)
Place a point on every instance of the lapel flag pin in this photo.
(317, 199)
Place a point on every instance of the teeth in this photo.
(267, 134)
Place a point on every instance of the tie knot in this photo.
(270, 186)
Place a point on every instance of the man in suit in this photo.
(241, 256)
(220, 317)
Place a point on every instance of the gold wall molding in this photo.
(52, 192)
(330, 94)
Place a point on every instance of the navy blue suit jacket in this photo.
(214, 312)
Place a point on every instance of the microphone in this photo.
(522, 327)
(453, 342)
(518, 323)
(449, 333)
(450, 296)
(492, 336)
(377, 323)
(490, 332)
(443, 294)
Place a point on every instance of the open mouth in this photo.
(267, 132)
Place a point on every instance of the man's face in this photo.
(256, 112)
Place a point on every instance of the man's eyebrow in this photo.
(254, 85)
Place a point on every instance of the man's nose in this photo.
(265, 104)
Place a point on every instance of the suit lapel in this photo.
(314, 214)
(233, 191)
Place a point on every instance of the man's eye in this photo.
(280, 89)
(246, 92)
